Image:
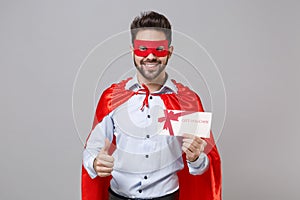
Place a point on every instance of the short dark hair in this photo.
(151, 20)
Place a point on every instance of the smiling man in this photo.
(145, 164)
(151, 54)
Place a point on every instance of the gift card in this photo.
(177, 122)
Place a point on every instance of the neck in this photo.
(155, 84)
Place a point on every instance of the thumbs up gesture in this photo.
(103, 163)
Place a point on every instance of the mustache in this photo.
(150, 61)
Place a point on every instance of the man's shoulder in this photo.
(181, 88)
(117, 87)
(114, 96)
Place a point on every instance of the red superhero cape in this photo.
(207, 186)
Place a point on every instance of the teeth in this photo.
(151, 64)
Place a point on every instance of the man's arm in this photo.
(95, 143)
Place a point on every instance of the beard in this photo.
(150, 69)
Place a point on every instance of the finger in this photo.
(103, 174)
(195, 145)
(106, 146)
(191, 156)
(192, 144)
(193, 140)
(103, 169)
(102, 163)
(201, 146)
(105, 157)
(191, 152)
(198, 147)
(188, 146)
(204, 143)
(186, 149)
(187, 140)
(188, 135)
(196, 142)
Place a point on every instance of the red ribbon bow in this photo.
(170, 115)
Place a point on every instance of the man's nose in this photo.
(151, 56)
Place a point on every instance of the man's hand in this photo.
(193, 146)
(103, 163)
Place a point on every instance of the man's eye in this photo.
(142, 48)
(161, 48)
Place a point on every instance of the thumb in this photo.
(106, 146)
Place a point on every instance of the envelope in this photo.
(178, 122)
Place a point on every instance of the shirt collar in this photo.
(168, 87)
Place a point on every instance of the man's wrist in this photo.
(197, 162)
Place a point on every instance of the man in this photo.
(147, 165)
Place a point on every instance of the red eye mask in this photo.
(143, 48)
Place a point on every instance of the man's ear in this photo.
(171, 48)
(132, 50)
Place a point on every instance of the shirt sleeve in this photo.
(199, 166)
(95, 142)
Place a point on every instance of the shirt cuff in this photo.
(199, 166)
(88, 164)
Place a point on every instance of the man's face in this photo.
(151, 54)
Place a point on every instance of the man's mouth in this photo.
(150, 65)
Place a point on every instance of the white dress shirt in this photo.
(145, 163)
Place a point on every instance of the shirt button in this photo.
(145, 177)
(150, 97)
(140, 191)
(148, 116)
(147, 156)
(147, 136)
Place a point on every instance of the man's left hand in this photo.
(193, 146)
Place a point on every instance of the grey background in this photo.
(255, 44)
